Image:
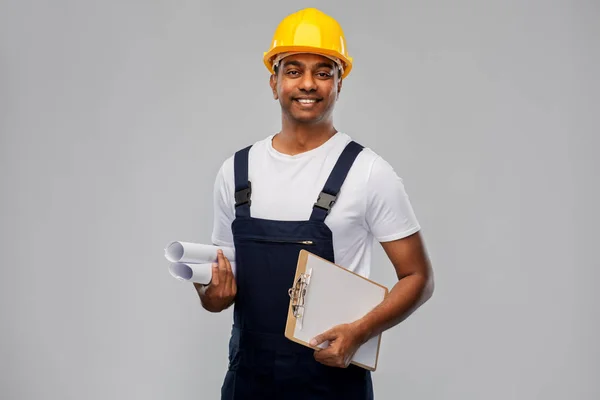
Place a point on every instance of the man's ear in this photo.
(339, 87)
(273, 84)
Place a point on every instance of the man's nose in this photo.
(308, 82)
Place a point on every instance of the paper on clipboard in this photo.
(324, 295)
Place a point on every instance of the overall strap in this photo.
(328, 195)
(243, 187)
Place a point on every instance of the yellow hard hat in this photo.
(309, 31)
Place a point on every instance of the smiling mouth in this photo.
(307, 102)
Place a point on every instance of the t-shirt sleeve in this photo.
(223, 209)
(389, 213)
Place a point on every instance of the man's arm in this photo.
(389, 214)
(220, 293)
(414, 287)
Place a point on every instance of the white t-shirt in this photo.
(372, 203)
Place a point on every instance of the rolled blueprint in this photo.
(199, 273)
(196, 253)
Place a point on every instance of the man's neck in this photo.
(298, 139)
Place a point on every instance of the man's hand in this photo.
(344, 340)
(220, 293)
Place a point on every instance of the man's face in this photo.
(307, 87)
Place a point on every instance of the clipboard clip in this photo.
(297, 294)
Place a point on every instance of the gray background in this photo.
(116, 115)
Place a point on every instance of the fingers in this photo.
(230, 277)
(333, 356)
(221, 291)
(226, 263)
(215, 275)
(222, 267)
(329, 357)
(224, 272)
(325, 336)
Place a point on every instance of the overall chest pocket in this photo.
(278, 240)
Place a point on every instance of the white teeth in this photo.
(306, 101)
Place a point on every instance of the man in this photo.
(307, 187)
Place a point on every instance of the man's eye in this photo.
(292, 72)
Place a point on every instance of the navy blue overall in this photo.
(263, 363)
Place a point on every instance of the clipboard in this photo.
(324, 295)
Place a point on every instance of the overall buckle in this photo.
(325, 201)
(243, 196)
